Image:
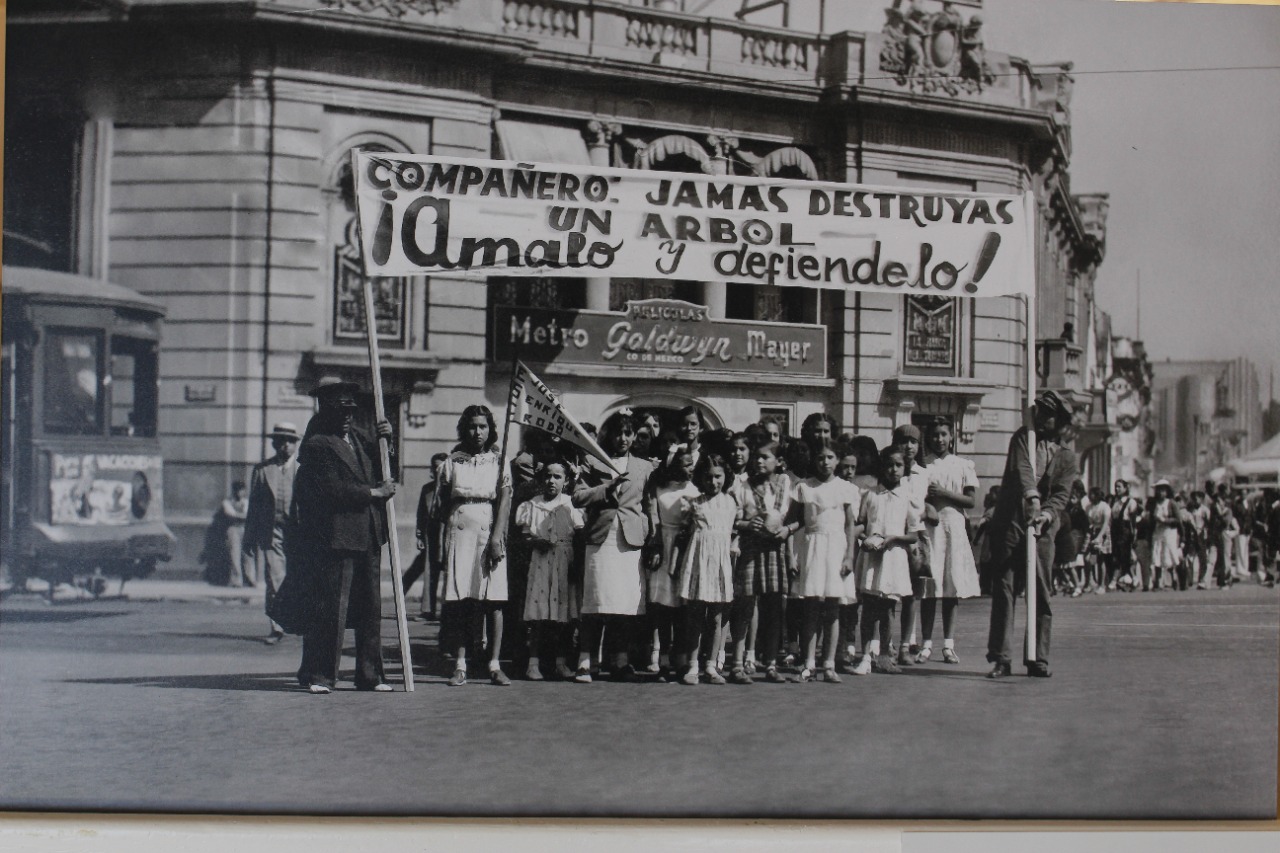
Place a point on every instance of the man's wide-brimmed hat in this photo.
(284, 429)
(1055, 403)
(335, 390)
(1163, 482)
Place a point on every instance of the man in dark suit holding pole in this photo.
(1036, 498)
(341, 526)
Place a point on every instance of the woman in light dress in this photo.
(476, 494)
(953, 486)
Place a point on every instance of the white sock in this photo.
(494, 666)
(534, 663)
(462, 663)
(949, 644)
(873, 648)
(584, 660)
(751, 656)
(720, 659)
(928, 644)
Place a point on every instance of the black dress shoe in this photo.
(1038, 670)
(626, 674)
(1000, 670)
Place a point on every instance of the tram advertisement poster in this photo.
(655, 333)
(104, 488)
(444, 215)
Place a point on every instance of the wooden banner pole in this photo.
(1032, 568)
(384, 453)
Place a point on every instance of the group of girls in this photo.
(697, 549)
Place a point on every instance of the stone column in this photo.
(600, 135)
(715, 293)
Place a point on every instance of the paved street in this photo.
(1162, 705)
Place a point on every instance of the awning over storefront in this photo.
(542, 143)
(1259, 468)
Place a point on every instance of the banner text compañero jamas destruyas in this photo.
(422, 215)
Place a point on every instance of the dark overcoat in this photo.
(333, 515)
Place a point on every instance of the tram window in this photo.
(72, 388)
(133, 387)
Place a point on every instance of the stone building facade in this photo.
(198, 152)
(1204, 413)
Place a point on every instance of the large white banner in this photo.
(428, 215)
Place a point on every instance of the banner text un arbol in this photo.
(432, 215)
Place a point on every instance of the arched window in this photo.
(394, 300)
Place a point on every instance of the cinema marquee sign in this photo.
(657, 333)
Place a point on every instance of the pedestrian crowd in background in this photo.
(1205, 539)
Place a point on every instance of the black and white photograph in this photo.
(751, 410)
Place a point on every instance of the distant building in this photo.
(1205, 413)
(1128, 412)
(198, 152)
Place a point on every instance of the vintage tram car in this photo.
(83, 492)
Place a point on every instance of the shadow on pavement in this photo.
(247, 638)
(275, 682)
(56, 616)
(942, 673)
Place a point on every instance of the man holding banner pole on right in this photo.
(1029, 498)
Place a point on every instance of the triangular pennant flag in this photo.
(533, 404)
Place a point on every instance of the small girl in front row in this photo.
(706, 569)
(760, 574)
(826, 507)
(669, 495)
(888, 525)
(547, 522)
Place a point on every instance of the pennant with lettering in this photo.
(533, 404)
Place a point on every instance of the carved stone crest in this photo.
(934, 51)
(394, 8)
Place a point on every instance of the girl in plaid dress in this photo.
(760, 575)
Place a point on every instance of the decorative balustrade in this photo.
(772, 51)
(541, 18)
(664, 36)
(950, 61)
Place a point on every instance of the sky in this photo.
(1190, 156)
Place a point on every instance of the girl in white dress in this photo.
(476, 509)
(706, 566)
(826, 507)
(888, 524)
(953, 487)
(547, 522)
(670, 493)
(915, 480)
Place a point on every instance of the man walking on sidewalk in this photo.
(270, 497)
